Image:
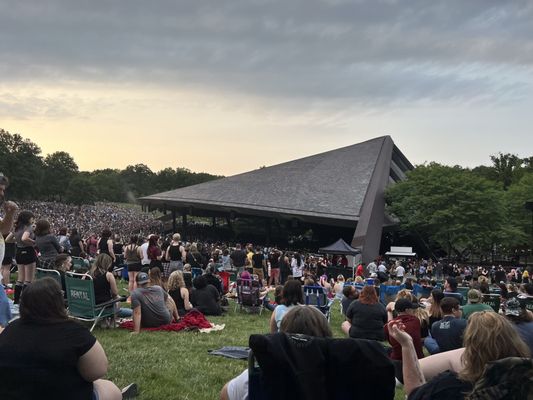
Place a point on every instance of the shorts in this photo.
(274, 273)
(26, 255)
(136, 267)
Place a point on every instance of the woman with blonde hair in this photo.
(179, 292)
(105, 285)
(489, 337)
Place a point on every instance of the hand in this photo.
(10, 206)
(397, 331)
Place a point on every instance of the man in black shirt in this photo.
(238, 258)
(258, 263)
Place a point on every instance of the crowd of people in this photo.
(436, 341)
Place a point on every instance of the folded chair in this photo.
(81, 300)
(316, 296)
(249, 295)
(388, 293)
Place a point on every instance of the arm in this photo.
(112, 283)
(412, 374)
(433, 365)
(93, 364)
(81, 245)
(167, 254)
(273, 325)
(185, 296)
(137, 319)
(26, 239)
(110, 249)
(55, 243)
(6, 224)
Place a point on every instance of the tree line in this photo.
(56, 176)
(460, 211)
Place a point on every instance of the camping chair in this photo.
(388, 293)
(46, 264)
(457, 296)
(79, 265)
(51, 273)
(316, 296)
(464, 292)
(299, 367)
(492, 300)
(249, 295)
(81, 300)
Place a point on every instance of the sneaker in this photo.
(130, 391)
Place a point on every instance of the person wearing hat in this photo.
(474, 297)
(406, 315)
(522, 319)
(149, 305)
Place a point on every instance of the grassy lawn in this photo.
(176, 365)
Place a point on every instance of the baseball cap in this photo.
(404, 304)
(142, 277)
(512, 307)
(474, 296)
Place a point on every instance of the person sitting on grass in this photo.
(271, 305)
(205, 298)
(179, 293)
(291, 296)
(306, 320)
(44, 354)
(350, 295)
(490, 340)
(366, 317)
(447, 334)
(149, 305)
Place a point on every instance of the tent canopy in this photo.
(340, 247)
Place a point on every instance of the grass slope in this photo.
(176, 365)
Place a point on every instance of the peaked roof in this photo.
(326, 187)
(339, 247)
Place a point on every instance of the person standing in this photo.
(274, 259)
(297, 266)
(26, 256)
(258, 264)
(238, 258)
(132, 257)
(10, 208)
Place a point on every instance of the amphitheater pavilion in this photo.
(341, 189)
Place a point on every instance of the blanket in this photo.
(194, 319)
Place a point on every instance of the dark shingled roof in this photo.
(329, 186)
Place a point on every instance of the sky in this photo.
(229, 86)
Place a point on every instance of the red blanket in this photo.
(193, 319)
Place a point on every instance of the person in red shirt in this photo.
(406, 316)
(360, 270)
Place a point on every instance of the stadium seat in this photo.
(316, 296)
(249, 295)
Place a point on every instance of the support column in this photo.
(174, 227)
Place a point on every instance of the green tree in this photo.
(515, 198)
(451, 207)
(508, 168)
(81, 190)
(139, 179)
(59, 169)
(21, 161)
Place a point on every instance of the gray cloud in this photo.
(357, 52)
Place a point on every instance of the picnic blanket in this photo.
(193, 320)
(235, 352)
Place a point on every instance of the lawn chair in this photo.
(79, 265)
(464, 292)
(299, 367)
(388, 293)
(316, 296)
(420, 291)
(492, 300)
(249, 295)
(527, 302)
(51, 273)
(81, 300)
(46, 264)
(457, 296)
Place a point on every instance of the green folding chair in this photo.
(79, 265)
(464, 291)
(528, 302)
(51, 273)
(81, 300)
(492, 300)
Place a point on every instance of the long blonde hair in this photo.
(489, 337)
(101, 265)
(175, 281)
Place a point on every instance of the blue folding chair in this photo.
(316, 296)
(388, 293)
(196, 272)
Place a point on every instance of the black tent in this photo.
(340, 247)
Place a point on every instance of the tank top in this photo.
(103, 247)
(132, 256)
(180, 304)
(102, 289)
(174, 253)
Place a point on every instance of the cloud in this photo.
(364, 53)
